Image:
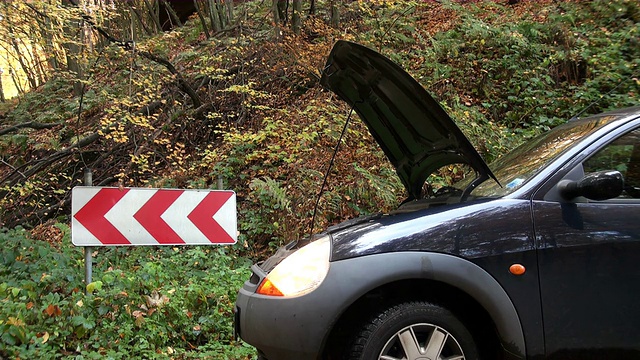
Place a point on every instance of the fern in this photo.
(271, 193)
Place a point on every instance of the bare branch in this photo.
(31, 125)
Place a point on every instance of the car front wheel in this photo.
(414, 331)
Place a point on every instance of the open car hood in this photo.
(413, 130)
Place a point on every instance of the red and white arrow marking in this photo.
(139, 216)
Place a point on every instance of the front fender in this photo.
(363, 274)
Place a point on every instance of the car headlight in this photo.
(299, 273)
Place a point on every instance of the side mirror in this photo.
(601, 185)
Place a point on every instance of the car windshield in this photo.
(517, 167)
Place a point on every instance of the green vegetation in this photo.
(506, 74)
(145, 302)
(258, 119)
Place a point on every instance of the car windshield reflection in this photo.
(517, 167)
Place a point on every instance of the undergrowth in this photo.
(144, 302)
(506, 73)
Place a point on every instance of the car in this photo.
(536, 256)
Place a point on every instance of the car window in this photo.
(516, 168)
(622, 155)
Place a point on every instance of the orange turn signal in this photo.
(517, 269)
(268, 288)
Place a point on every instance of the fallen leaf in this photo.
(15, 321)
(156, 300)
(53, 310)
(44, 337)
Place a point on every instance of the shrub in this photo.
(144, 302)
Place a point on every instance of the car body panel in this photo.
(588, 269)
(288, 328)
(588, 253)
(482, 231)
(413, 130)
(472, 229)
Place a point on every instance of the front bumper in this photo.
(289, 327)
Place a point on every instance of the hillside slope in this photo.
(263, 124)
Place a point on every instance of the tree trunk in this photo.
(212, 6)
(73, 52)
(229, 11)
(154, 14)
(75, 67)
(39, 54)
(335, 15)
(276, 19)
(33, 59)
(16, 81)
(171, 13)
(42, 72)
(312, 8)
(140, 19)
(283, 11)
(296, 20)
(46, 31)
(21, 57)
(2, 99)
(202, 19)
(222, 14)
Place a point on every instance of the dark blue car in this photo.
(535, 256)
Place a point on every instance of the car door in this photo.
(589, 261)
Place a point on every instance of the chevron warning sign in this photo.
(107, 216)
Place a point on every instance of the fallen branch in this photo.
(40, 163)
(149, 109)
(200, 111)
(182, 83)
(31, 125)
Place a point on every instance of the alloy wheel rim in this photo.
(422, 342)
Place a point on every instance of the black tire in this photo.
(429, 331)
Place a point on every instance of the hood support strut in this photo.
(326, 175)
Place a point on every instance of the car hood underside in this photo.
(413, 130)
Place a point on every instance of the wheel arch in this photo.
(445, 279)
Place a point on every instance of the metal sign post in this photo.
(88, 261)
